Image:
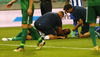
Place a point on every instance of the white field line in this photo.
(49, 47)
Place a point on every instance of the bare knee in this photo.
(52, 36)
(24, 25)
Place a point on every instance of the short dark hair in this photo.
(62, 13)
(67, 7)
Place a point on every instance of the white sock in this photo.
(46, 37)
(40, 32)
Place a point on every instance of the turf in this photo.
(69, 47)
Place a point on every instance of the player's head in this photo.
(60, 13)
(68, 8)
(66, 31)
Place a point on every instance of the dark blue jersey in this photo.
(79, 13)
(50, 18)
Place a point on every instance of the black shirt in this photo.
(50, 18)
(79, 13)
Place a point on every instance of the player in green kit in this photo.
(27, 8)
(93, 12)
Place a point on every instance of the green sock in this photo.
(35, 34)
(40, 40)
(92, 35)
(24, 35)
(19, 35)
(22, 45)
(16, 39)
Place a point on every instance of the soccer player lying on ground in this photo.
(79, 14)
(48, 22)
(30, 37)
(19, 37)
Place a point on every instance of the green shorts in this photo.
(92, 13)
(25, 18)
(32, 38)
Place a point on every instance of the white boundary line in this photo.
(49, 47)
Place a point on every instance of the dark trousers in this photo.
(45, 7)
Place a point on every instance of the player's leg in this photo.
(42, 5)
(91, 18)
(87, 34)
(29, 37)
(93, 36)
(19, 34)
(34, 33)
(12, 39)
(98, 13)
(99, 21)
(97, 31)
(36, 36)
(97, 27)
(85, 31)
(50, 34)
(25, 22)
(48, 7)
(17, 38)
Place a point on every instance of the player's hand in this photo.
(9, 5)
(74, 29)
(72, 34)
(29, 11)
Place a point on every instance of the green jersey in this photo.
(25, 4)
(93, 2)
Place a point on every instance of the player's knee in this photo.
(24, 25)
(29, 26)
(81, 36)
(52, 36)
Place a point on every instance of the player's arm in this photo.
(10, 3)
(60, 37)
(67, 2)
(80, 22)
(29, 11)
(60, 31)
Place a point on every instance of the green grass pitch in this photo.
(69, 47)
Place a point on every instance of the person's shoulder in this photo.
(75, 8)
(78, 7)
(50, 13)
